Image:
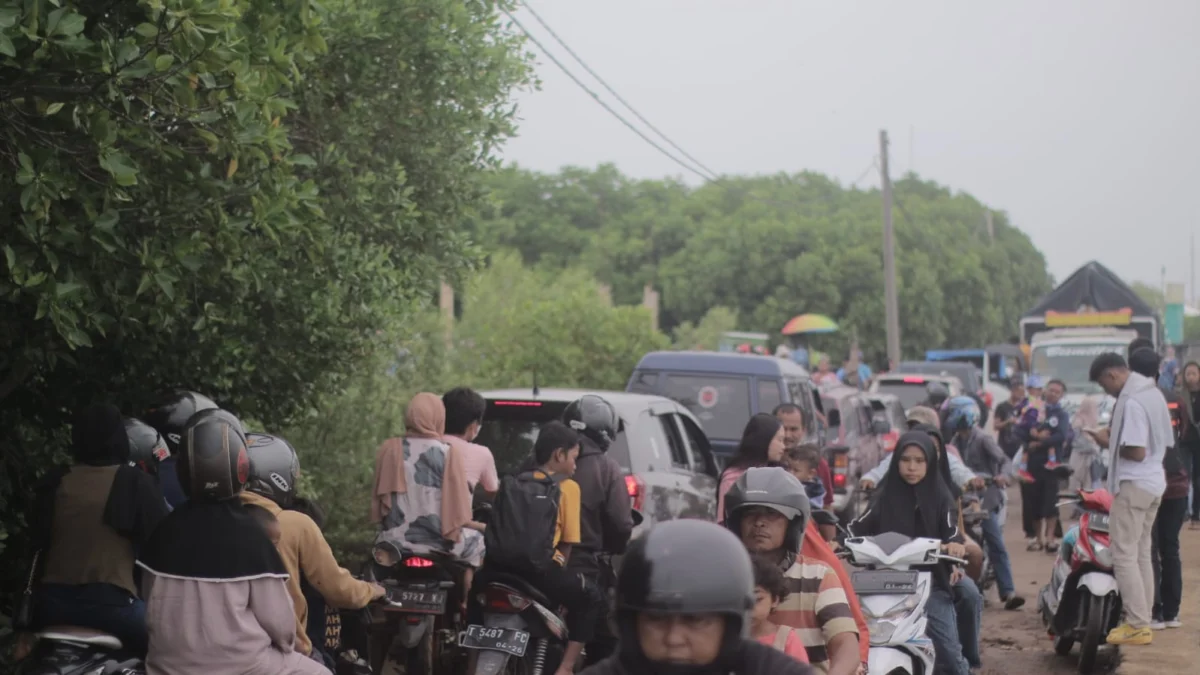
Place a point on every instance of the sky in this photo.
(1079, 118)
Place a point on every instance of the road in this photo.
(1016, 642)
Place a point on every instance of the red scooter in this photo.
(1081, 603)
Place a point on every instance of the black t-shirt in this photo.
(1008, 440)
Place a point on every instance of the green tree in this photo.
(235, 196)
(706, 333)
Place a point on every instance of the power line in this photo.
(612, 91)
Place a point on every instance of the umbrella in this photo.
(809, 323)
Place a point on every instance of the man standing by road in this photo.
(1043, 445)
(795, 429)
(1007, 414)
(1137, 482)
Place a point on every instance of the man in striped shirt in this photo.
(768, 509)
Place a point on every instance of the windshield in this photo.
(910, 394)
(510, 428)
(1071, 363)
(722, 404)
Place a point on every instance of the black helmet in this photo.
(213, 463)
(938, 393)
(593, 417)
(274, 468)
(659, 574)
(172, 413)
(774, 488)
(146, 446)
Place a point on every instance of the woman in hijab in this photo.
(421, 499)
(215, 587)
(1189, 433)
(914, 501)
(91, 518)
(761, 445)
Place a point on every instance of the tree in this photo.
(234, 196)
(706, 333)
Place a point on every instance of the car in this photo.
(888, 407)
(855, 443)
(670, 471)
(912, 389)
(967, 373)
(724, 389)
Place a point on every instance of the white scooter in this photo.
(892, 589)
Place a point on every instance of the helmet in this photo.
(593, 417)
(774, 488)
(274, 468)
(938, 393)
(659, 574)
(146, 446)
(173, 412)
(213, 463)
(962, 413)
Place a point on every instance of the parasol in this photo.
(809, 323)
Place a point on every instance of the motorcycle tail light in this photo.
(501, 600)
(418, 562)
(839, 480)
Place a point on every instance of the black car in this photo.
(669, 467)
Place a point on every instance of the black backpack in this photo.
(522, 523)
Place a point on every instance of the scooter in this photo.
(977, 507)
(71, 650)
(1081, 603)
(893, 588)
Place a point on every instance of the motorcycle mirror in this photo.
(638, 518)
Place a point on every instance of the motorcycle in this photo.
(1081, 603)
(516, 616)
(71, 650)
(893, 588)
(977, 507)
(418, 627)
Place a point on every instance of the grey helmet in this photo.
(146, 446)
(774, 488)
(593, 417)
(172, 412)
(274, 468)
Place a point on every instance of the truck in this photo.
(1090, 313)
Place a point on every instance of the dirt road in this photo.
(1015, 642)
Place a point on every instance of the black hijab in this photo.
(212, 541)
(900, 504)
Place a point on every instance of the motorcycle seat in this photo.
(87, 636)
(518, 584)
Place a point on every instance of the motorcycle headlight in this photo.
(880, 631)
(899, 609)
(1102, 553)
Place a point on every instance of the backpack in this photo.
(524, 518)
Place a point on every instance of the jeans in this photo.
(968, 606)
(942, 629)
(1131, 524)
(1168, 570)
(993, 539)
(97, 606)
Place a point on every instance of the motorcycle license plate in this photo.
(1098, 522)
(884, 582)
(506, 640)
(417, 600)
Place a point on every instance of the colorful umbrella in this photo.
(809, 323)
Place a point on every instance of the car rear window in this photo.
(910, 393)
(722, 404)
(510, 428)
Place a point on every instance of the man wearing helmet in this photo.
(605, 518)
(168, 417)
(274, 471)
(679, 618)
(983, 455)
(769, 510)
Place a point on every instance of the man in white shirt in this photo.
(1142, 435)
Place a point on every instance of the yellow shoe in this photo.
(1128, 635)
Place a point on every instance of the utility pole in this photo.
(891, 304)
(1193, 269)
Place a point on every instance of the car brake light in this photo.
(914, 380)
(418, 562)
(519, 404)
(502, 600)
(839, 481)
(987, 398)
(636, 489)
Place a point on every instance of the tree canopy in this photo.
(771, 247)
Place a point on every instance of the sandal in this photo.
(1051, 548)
(1032, 546)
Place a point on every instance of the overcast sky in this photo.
(1080, 118)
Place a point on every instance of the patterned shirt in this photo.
(816, 607)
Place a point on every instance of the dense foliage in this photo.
(771, 247)
(236, 196)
